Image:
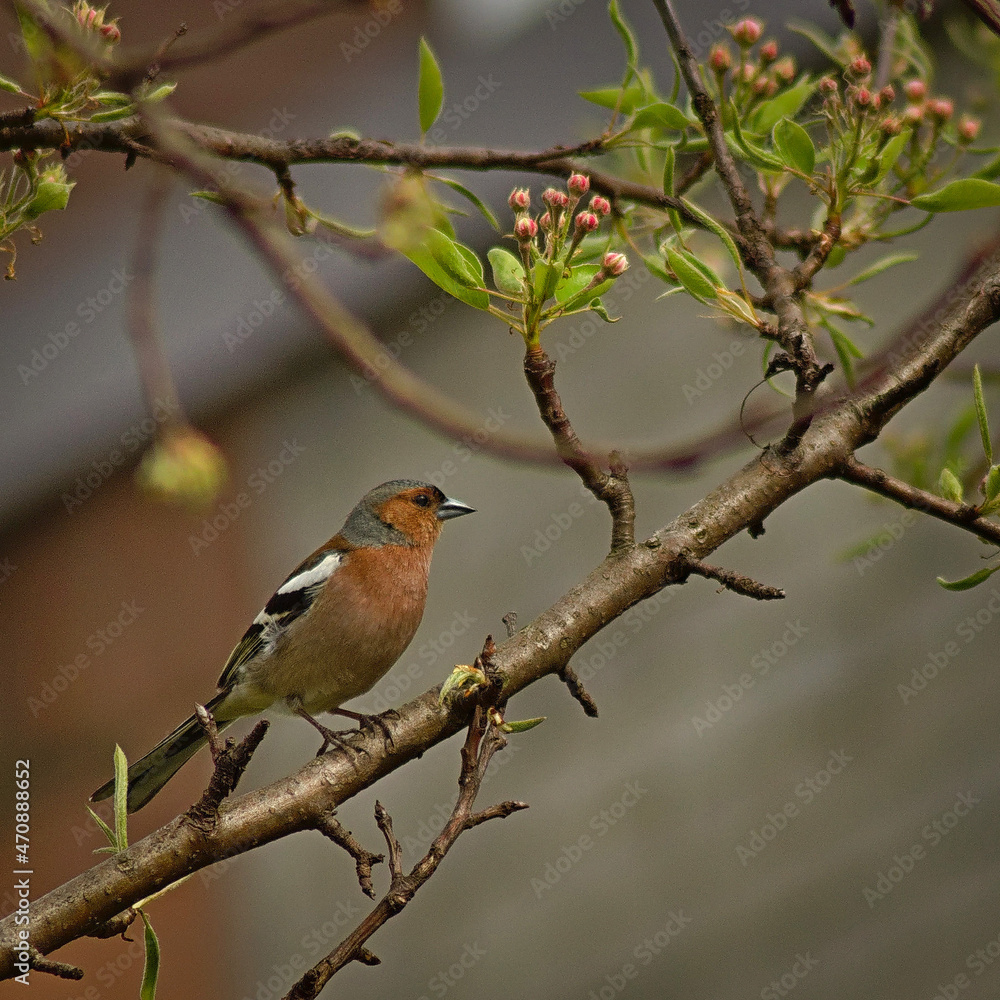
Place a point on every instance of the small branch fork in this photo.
(612, 488)
(484, 739)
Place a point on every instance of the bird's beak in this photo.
(450, 508)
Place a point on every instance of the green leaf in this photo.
(989, 170)
(891, 153)
(984, 424)
(660, 115)
(959, 196)
(608, 97)
(106, 830)
(992, 488)
(787, 104)
(883, 265)
(572, 292)
(717, 228)
(114, 114)
(795, 147)
(121, 799)
(342, 228)
(825, 43)
(160, 93)
(212, 196)
(846, 350)
(523, 725)
(741, 147)
(430, 253)
(51, 194)
(11, 86)
(690, 275)
(668, 173)
(545, 278)
(508, 271)
(430, 87)
(36, 42)
(628, 39)
(474, 198)
(974, 580)
(113, 98)
(151, 968)
(597, 306)
(950, 487)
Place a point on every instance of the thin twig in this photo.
(482, 741)
(572, 681)
(737, 582)
(961, 515)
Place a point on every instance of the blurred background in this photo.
(740, 820)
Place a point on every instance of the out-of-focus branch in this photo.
(484, 739)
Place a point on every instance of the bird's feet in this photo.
(330, 738)
(374, 721)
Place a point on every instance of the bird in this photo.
(331, 630)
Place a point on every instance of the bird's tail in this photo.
(150, 773)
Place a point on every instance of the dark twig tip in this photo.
(569, 677)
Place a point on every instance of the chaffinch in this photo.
(333, 628)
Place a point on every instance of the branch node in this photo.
(62, 970)
(230, 761)
(332, 828)
(116, 926)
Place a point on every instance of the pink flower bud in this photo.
(719, 58)
(554, 198)
(111, 32)
(968, 128)
(545, 222)
(578, 184)
(940, 108)
(746, 32)
(859, 66)
(915, 90)
(749, 72)
(587, 221)
(887, 94)
(600, 205)
(614, 264)
(863, 97)
(520, 200)
(759, 86)
(784, 69)
(525, 229)
(828, 85)
(913, 114)
(769, 52)
(890, 125)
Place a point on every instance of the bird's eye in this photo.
(422, 500)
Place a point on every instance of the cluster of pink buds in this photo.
(746, 32)
(560, 225)
(92, 19)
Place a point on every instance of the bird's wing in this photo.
(292, 599)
